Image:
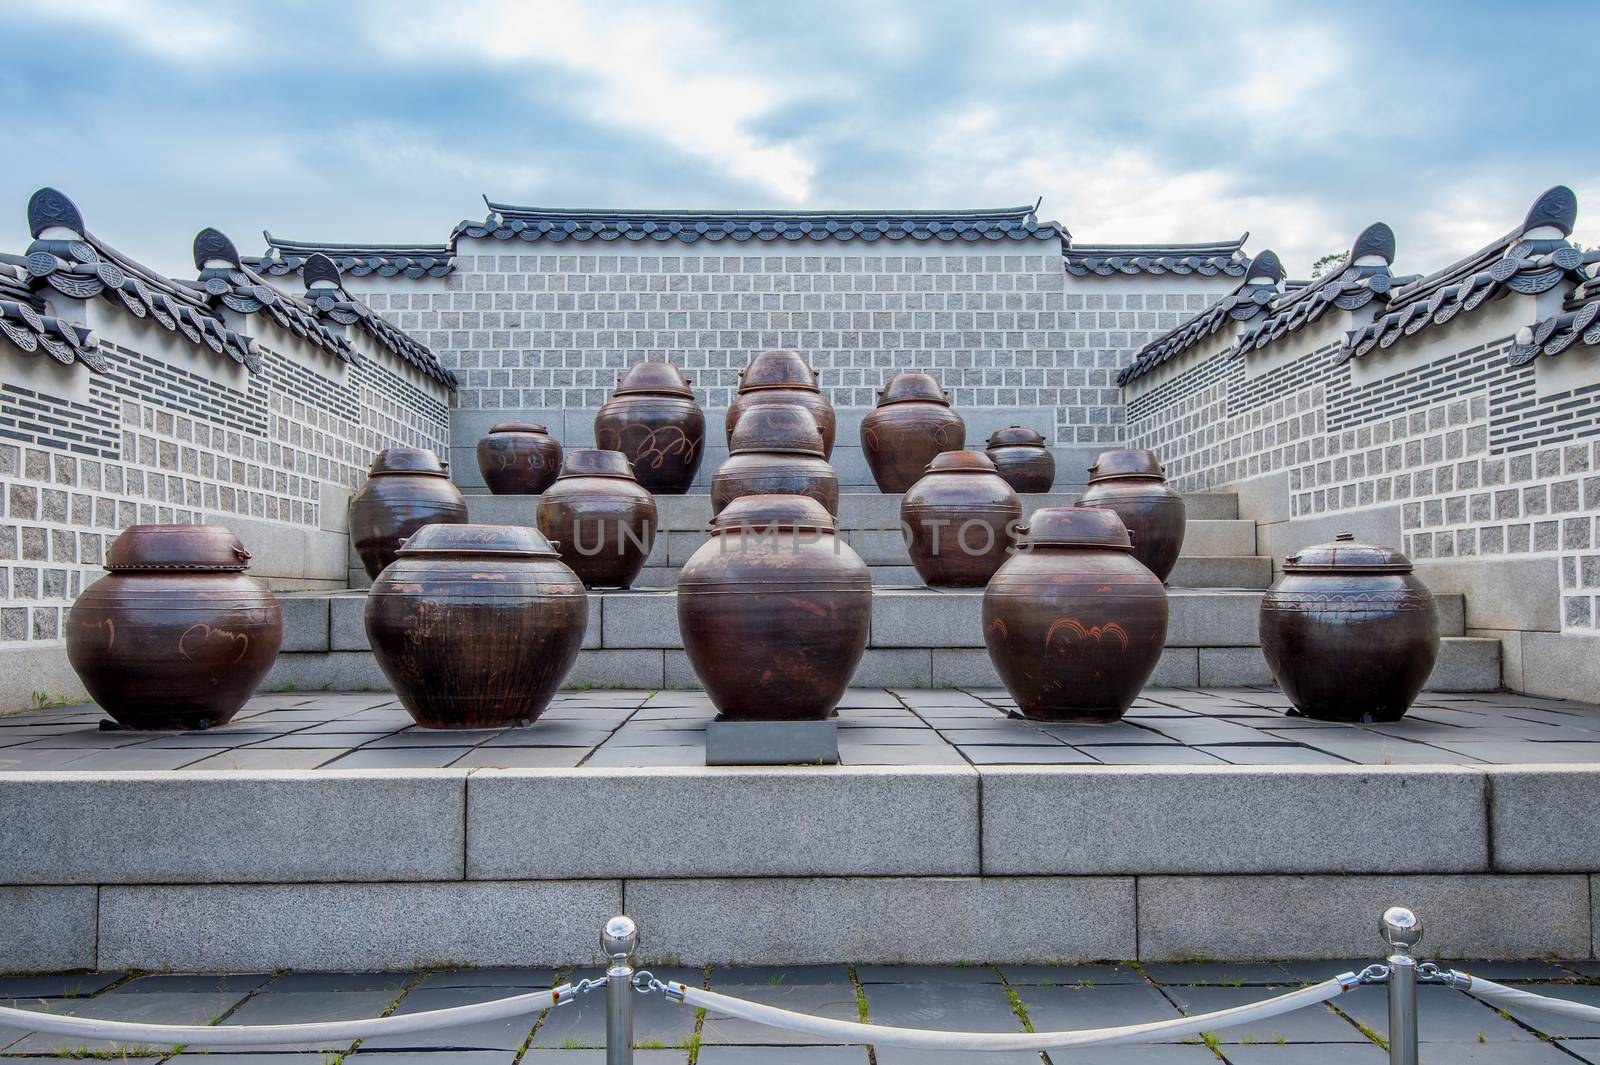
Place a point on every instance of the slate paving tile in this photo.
(521, 758)
(1529, 752)
(890, 754)
(92, 739)
(157, 1008)
(1316, 970)
(426, 1057)
(1589, 994)
(1215, 973)
(1444, 1015)
(133, 759)
(419, 737)
(333, 741)
(1169, 1054)
(859, 734)
(192, 983)
(56, 985)
(582, 1023)
(1273, 754)
(777, 975)
(250, 758)
(510, 980)
(1148, 755)
(1491, 1054)
(903, 1056)
(657, 738)
(1071, 975)
(399, 758)
(1118, 732)
(1300, 1054)
(927, 974)
(1312, 1024)
(548, 1056)
(1581, 966)
(1035, 755)
(552, 736)
(1054, 1009)
(507, 1034)
(391, 982)
(1587, 1050)
(788, 1055)
(1022, 735)
(640, 757)
(237, 1056)
(975, 1006)
(272, 1006)
(20, 760)
(1520, 971)
(836, 1001)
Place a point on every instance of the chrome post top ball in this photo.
(620, 937)
(1401, 928)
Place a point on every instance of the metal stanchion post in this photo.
(620, 939)
(1402, 930)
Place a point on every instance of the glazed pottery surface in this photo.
(600, 519)
(778, 369)
(176, 635)
(476, 625)
(1350, 632)
(1022, 459)
(776, 450)
(1074, 623)
(960, 520)
(518, 458)
(653, 419)
(911, 424)
(774, 610)
(1132, 483)
(808, 399)
(406, 489)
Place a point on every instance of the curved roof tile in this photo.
(1251, 297)
(285, 257)
(1108, 260)
(1365, 276)
(1579, 321)
(25, 321)
(327, 298)
(241, 289)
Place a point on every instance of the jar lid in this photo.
(1075, 527)
(1345, 555)
(1129, 462)
(592, 462)
(517, 427)
(515, 540)
(961, 462)
(661, 377)
(908, 387)
(778, 369)
(196, 548)
(782, 428)
(1017, 435)
(757, 512)
(407, 460)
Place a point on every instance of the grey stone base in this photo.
(772, 743)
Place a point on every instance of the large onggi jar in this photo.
(653, 419)
(911, 424)
(1132, 483)
(961, 520)
(407, 488)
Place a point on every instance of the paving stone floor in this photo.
(1210, 726)
(1454, 1028)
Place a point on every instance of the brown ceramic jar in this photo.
(518, 459)
(774, 610)
(1132, 484)
(961, 520)
(652, 418)
(406, 488)
(601, 521)
(1022, 459)
(176, 635)
(911, 424)
(1074, 623)
(1349, 631)
(782, 378)
(775, 450)
(476, 625)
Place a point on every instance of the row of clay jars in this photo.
(652, 419)
(774, 610)
(782, 378)
(600, 519)
(911, 424)
(176, 635)
(961, 521)
(775, 450)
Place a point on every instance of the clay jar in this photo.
(1133, 484)
(776, 450)
(782, 378)
(652, 418)
(911, 424)
(1349, 631)
(601, 521)
(1074, 623)
(476, 625)
(176, 635)
(1022, 459)
(960, 521)
(518, 459)
(774, 610)
(406, 488)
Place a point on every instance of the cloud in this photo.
(186, 32)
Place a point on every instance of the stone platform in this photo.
(322, 831)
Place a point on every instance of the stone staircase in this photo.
(920, 637)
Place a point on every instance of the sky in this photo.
(1134, 121)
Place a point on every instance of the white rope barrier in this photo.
(242, 1035)
(1505, 997)
(922, 1039)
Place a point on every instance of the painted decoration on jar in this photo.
(1022, 459)
(176, 635)
(960, 521)
(1075, 625)
(653, 419)
(776, 450)
(601, 520)
(911, 424)
(406, 488)
(476, 625)
(1349, 631)
(774, 610)
(782, 378)
(518, 459)
(1132, 483)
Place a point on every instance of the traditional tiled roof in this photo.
(327, 298)
(25, 322)
(81, 266)
(1363, 277)
(1579, 320)
(1251, 297)
(239, 288)
(506, 221)
(1524, 260)
(358, 260)
(1225, 257)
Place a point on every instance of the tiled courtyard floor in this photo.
(1455, 1029)
(1211, 726)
